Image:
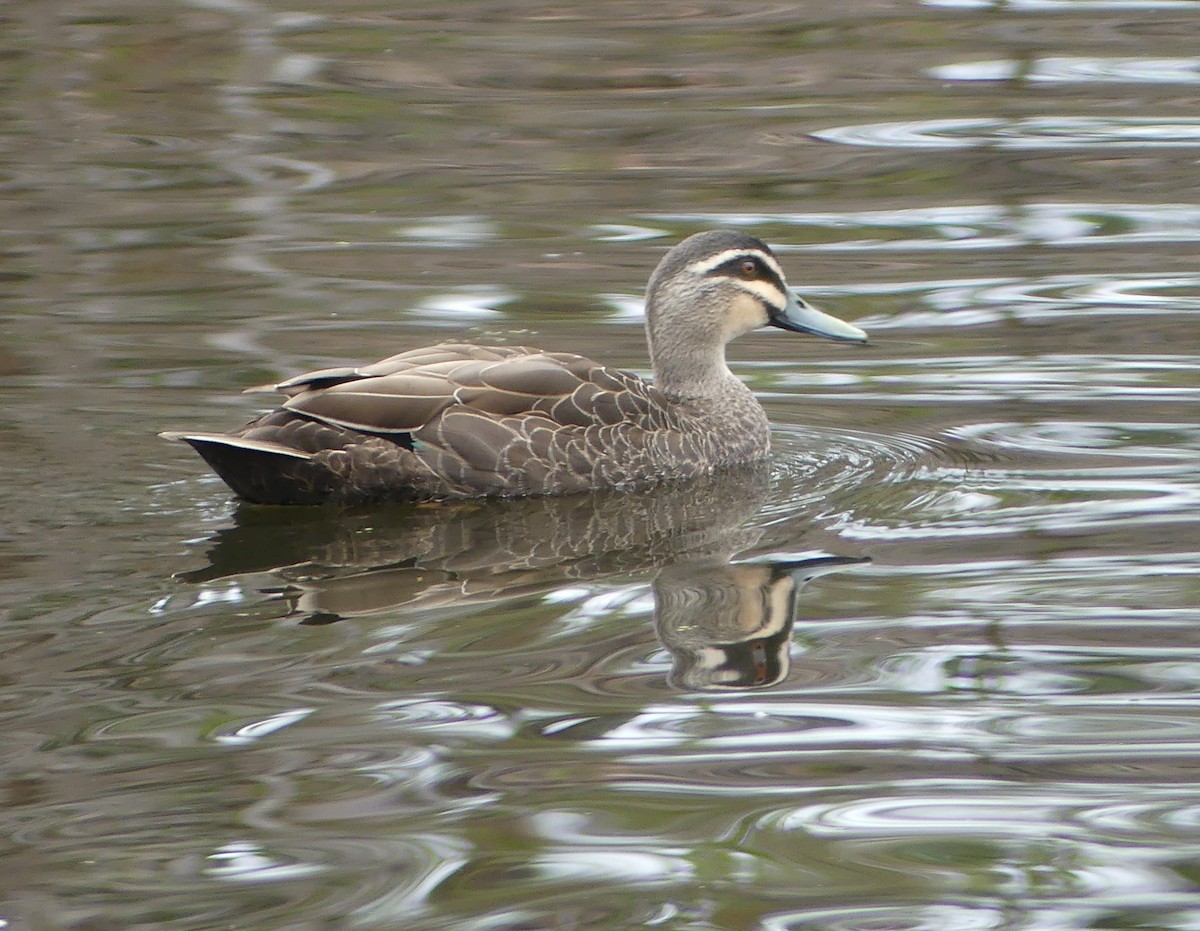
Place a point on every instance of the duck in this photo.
(459, 420)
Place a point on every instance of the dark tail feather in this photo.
(262, 472)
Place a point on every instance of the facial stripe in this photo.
(715, 261)
(766, 291)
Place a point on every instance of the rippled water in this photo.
(936, 668)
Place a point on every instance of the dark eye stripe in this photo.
(733, 269)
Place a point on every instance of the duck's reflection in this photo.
(729, 626)
(726, 624)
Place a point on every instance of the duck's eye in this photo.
(748, 269)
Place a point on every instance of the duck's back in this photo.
(459, 420)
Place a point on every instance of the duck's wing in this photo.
(451, 421)
(440, 354)
(407, 392)
(459, 420)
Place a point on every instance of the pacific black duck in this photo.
(458, 420)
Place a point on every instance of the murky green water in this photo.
(937, 670)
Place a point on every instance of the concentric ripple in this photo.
(888, 918)
(1071, 70)
(986, 482)
(813, 468)
(1098, 438)
(1063, 132)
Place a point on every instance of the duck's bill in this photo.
(801, 317)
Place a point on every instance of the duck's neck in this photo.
(711, 397)
(685, 373)
(688, 353)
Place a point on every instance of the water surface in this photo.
(935, 668)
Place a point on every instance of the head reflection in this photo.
(729, 626)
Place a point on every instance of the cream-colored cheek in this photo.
(746, 313)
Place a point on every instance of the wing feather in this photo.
(510, 412)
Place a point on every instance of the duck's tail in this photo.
(261, 471)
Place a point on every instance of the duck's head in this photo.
(715, 286)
